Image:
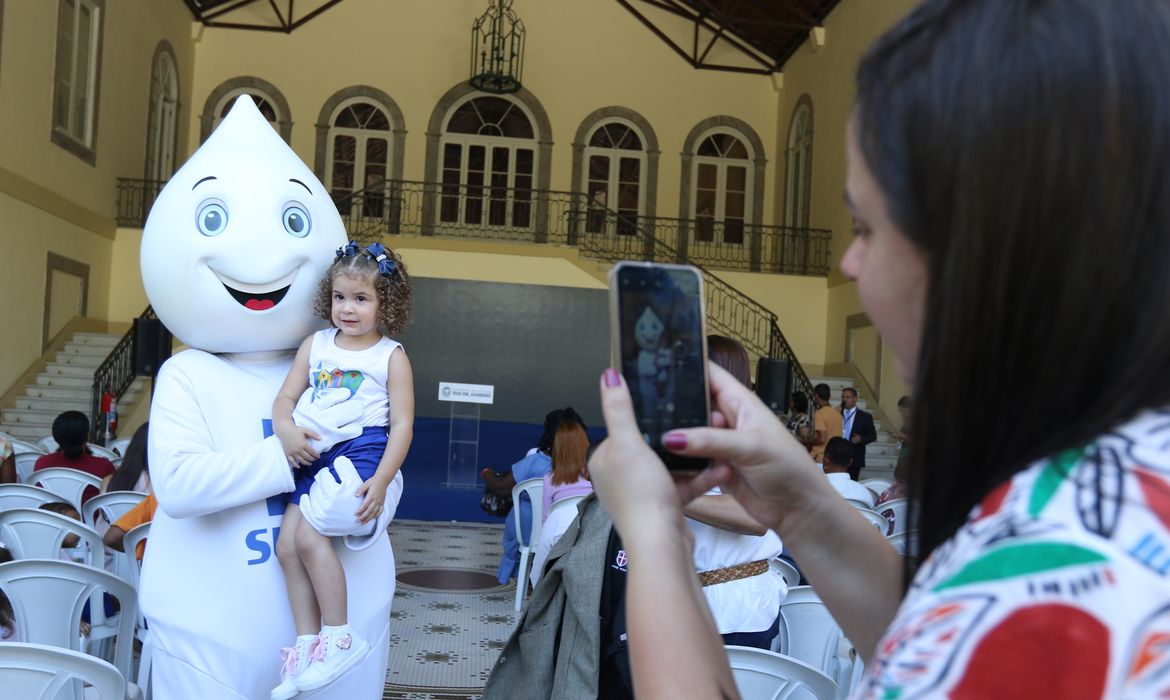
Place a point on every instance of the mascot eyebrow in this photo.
(209, 177)
(293, 179)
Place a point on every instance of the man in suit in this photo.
(858, 429)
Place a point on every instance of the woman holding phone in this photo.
(1009, 178)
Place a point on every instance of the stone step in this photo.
(58, 380)
(28, 433)
(91, 362)
(105, 339)
(69, 370)
(46, 391)
(72, 403)
(87, 350)
(16, 416)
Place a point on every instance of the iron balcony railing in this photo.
(116, 374)
(403, 207)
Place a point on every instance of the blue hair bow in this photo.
(377, 253)
(348, 250)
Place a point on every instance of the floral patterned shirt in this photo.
(1058, 585)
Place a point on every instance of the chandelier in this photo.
(497, 49)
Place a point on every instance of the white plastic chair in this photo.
(766, 675)
(788, 571)
(130, 543)
(535, 490)
(112, 505)
(47, 444)
(25, 496)
(67, 483)
(100, 451)
(119, 446)
(876, 519)
(808, 633)
(876, 485)
(31, 533)
(48, 596)
(42, 672)
(24, 447)
(895, 513)
(25, 461)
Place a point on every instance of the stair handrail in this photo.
(116, 373)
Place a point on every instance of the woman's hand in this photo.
(374, 490)
(633, 484)
(754, 458)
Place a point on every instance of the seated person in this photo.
(569, 477)
(71, 431)
(838, 456)
(7, 462)
(536, 463)
(898, 489)
(138, 515)
(7, 614)
(71, 540)
(132, 474)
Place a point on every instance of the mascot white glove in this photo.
(331, 415)
(329, 506)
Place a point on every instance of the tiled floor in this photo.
(450, 617)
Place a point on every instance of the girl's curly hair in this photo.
(395, 291)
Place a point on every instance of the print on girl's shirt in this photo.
(334, 378)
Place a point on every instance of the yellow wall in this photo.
(51, 200)
(800, 305)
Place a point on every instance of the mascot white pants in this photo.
(232, 274)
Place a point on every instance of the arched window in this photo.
(488, 164)
(798, 156)
(723, 187)
(267, 98)
(615, 178)
(359, 158)
(163, 116)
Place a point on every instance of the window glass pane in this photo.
(733, 205)
(84, 46)
(736, 149)
(629, 170)
(347, 119)
(524, 160)
(707, 176)
(343, 155)
(376, 153)
(598, 192)
(710, 147)
(736, 179)
(465, 120)
(705, 203)
(452, 155)
(516, 125)
(66, 20)
(598, 168)
(628, 198)
(733, 231)
(600, 139)
(476, 158)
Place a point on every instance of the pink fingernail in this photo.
(674, 441)
(612, 378)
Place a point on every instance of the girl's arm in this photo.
(294, 440)
(400, 387)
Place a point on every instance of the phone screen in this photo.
(662, 348)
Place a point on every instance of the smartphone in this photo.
(659, 341)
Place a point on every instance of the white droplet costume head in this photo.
(238, 240)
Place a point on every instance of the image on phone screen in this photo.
(662, 352)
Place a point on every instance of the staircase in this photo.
(65, 385)
(881, 455)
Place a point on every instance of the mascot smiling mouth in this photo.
(257, 297)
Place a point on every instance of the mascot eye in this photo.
(296, 221)
(212, 219)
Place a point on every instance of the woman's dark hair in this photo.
(1023, 147)
(799, 402)
(553, 420)
(731, 356)
(71, 431)
(133, 462)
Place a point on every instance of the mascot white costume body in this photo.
(232, 254)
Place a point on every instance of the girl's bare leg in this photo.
(325, 572)
(301, 596)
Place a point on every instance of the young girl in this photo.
(366, 294)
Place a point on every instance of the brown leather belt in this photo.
(733, 573)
